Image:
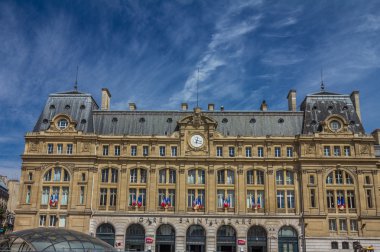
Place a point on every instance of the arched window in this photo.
(165, 238)
(55, 190)
(196, 238)
(255, 191)
(167, 176)
(106, 232)
(284, 177)
(340, 192)
(287, 239)
(109, 175)
(226, 238)
(135, 238)
(257, 238)
(138, 175)
(226, 176)
(196, 176)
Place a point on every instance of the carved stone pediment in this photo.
(197, 119)
(56, 128)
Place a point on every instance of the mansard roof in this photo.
(315, 108)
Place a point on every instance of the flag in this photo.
(168, 203)
(226, 202)
(53, 200)
(163, 202)
(340, 203)
(253, 202)
(197, 204)
(139, 201)
(134, 200)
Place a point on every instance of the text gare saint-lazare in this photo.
(207, 221)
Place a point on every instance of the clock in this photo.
(197, 141)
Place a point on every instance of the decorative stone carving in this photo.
(85, 147)
(310, 149)
(270, 172)
(33, 146)
(364, 149)
(181, 171)
(211, 171)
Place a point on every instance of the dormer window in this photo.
(62, 124)
(335, 125)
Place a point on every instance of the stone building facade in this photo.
(204, 180)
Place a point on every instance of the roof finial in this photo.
(197, 87)
(322, 84)
(76, 80)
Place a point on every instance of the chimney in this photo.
(264, 106)
(184, 106)
(132, 106)
(106, 99)
(355, 100)
(211, 107)
(376, 135)
(292, 105)
(222, 108)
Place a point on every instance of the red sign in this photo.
(241, 242)
(149, 240)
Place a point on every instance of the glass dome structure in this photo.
(52, 239)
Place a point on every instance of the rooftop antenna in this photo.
(197, 87)
(322, 84)
(76, 80)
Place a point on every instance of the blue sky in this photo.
(148, 52)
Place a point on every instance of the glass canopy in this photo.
(52, 239)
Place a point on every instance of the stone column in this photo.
(211, 200)
(152, 189)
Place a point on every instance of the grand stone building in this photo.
(205, 180)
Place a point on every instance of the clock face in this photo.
(196, 141)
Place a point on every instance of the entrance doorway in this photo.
(196, 239)
(226, 239)
(257, 239)
(287, 240)
(165, 238)
(135, 238)
(106, 232)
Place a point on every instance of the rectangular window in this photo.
(162, 151)
(337, 151)
(42, 220)
(326, 151)
(259, 177)
(369, 198)
(367, 180)
(142, 176)
(190, 197)
(289, 151)
(260, 199)
(114, 175)
(332, 225)
(202, 197)
(162, 176)
(28, 193)
(351, 199)
(277, 151)
(260, 151)
(280, 199)
(219, 151)
(312, 198)
(330, 199)
(221, 178)
(105, 175)
(220, 194)
(69, 149)
(342, 225)
(201, 177)
(117, 150)
(105, 150)
(132, 197)
(289, 178)
(113, 196)
(339, 177)
(191, 177)
(230, 177)
(142, 197)
(231, 151)
(248, 151)
(280, 177)
(172, 197)
(145, 151)
(50, 148)
(103, 196)
(291, 198)
(354, 225)
(250, 179)
(133, 176)
(65, 196)
(81, 195)
(133, 150)
(174, 151)
(311, 180)
(59, 148)
(45, 195)
(62, 221)
(30, 176)
(161, 196)
(231, 198)
(172, 176)
(53, 221)
(347, 151)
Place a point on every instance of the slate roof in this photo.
(231, 123)
(78, 106)
(317, 107)
(314, 109)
